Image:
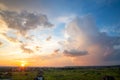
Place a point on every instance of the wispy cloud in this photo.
(65, 19)
(12, 39)
(25, 49)
(49, 38)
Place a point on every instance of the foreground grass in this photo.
(69, 74)
(23, 75)
(81, 74)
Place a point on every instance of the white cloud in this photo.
(82, 35)
(65, 19)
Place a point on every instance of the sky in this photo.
(57, 33)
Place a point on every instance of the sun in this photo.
(22, 65)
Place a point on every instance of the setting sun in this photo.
(22, 65)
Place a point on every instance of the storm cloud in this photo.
(83, 38)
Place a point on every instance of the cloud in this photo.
(3, 26)
(29, 38)
(3, 7)
(24, 20)
(1, 44)
(12, 39)
(116, 47)
(37, 48)
(115, 56)
(114, 29)
(65, 19)
(56, 51)
(25, 49)
(74, 53)
(82, 37)
(49, 38)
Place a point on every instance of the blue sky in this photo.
(70, 32)
(105, 12)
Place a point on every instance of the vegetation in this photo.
(81, 74)
(65, 74)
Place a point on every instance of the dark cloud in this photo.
(26, 50)
(108, 42)
(74, 53)
(114, 56)
(24, 20)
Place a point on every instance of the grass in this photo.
(81, 74)
(69, 74)
(23, 75)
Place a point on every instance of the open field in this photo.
(65, 74)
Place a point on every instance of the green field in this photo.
(81, 74)
(69, 74)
